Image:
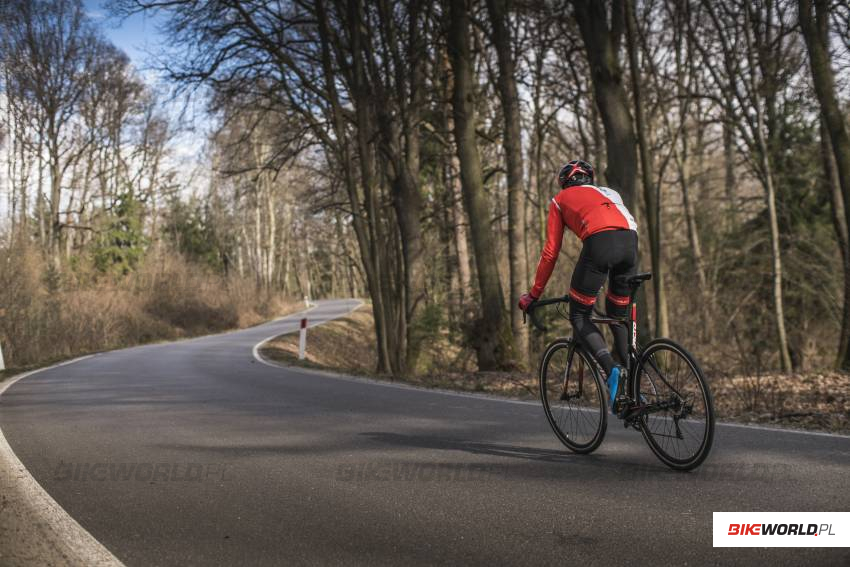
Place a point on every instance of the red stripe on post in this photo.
(304, 323)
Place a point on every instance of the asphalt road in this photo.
(193, 453)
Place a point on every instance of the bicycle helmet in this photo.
(577, 172)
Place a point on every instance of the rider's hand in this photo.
(526, 300)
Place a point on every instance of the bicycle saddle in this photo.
(634, 279)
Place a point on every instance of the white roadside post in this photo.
(302, 340)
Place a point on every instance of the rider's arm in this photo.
(554, 235)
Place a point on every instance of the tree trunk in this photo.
(816, 34)
(271, 232)
(776, 255)
(42, 228)
(258, 238)
(460, 222)
(366, 229)
(492, 338)
(457, 216)
(512, 144)
(407, 202)
(690, 218)
(840, 224)
(395, 102)
(729, 161)
(602, 47)
(651, 197)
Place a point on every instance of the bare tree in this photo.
(53, 46)
(492, 342)
(602, 44)
(763, 44)
(500, 11)
(814, 22)
(651, 192)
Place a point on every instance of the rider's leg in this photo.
(618, 306)
(617, 298)
(588, 333)
(588, 277)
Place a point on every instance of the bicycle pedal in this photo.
(629, 413)
(628, 418)
(620, 407)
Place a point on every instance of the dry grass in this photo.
(346, 344)
(47, 316)
(812, 401)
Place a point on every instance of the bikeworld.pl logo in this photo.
(781, 529)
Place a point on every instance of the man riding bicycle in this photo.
(608, 231)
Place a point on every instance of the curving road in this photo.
(193, 453)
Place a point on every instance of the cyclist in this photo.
(608, 232)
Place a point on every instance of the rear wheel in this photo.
(573, 396)
(678, 422)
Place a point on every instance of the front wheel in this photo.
(677, 413)
(573, 396)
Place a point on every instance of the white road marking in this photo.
(491, 397)
(44, 514)
(83, 549)
(73, 541)
(256, 350)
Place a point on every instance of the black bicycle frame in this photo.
(630, 322)
(631, 327)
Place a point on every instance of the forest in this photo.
(406, 151)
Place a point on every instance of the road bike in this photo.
(664, 393)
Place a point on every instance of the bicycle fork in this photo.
(566, 383)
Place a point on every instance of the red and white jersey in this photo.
(585, 210)
(588, 209)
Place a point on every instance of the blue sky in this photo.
(137, 35)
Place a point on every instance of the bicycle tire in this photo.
(658, 429)
(567, 422)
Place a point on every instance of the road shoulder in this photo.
(34, 528)
(343, 349)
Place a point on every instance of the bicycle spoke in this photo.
(573, 399)
(677, 422)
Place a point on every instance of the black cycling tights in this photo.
(604, 255)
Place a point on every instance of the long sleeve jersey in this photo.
(585, 210)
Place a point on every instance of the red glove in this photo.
(526, 300)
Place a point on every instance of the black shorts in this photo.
(609, 253)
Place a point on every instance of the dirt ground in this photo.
(815, 400)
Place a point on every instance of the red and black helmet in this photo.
(577, 172)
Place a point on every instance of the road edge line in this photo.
(492, 397)
(50, 529)
(256, 349)
(44, 527)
